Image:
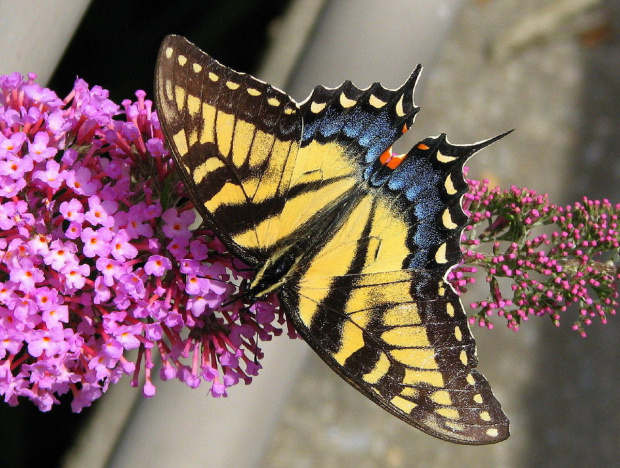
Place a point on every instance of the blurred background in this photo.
(548, 68)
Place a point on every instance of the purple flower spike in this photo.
(576, 266)
(89, 266)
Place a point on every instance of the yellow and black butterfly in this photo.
(355, 240)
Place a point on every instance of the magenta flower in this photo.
(51, 175)
(96, 261)
(157, 265)
(573, 268)
(89, 266)
(177, 224)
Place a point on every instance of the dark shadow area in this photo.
(574, 398)
(117, 42)
(30, 438)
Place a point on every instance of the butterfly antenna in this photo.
(245, 268)
(256, 348)
(243, 286)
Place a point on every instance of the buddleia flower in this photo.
(97, 257)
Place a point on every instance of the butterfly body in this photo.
(355, 240)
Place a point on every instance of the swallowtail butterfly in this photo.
(355, 240)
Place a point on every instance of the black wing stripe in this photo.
(209, 113)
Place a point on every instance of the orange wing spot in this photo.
(405, 129)
(423, 147)
(386, 156)
(395, 160)
(391, 160)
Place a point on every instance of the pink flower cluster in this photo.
(576, 265)
(97, 258)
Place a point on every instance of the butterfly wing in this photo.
(235, 139)
(369, 293)
(373, 302)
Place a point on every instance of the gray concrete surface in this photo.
(560, 91)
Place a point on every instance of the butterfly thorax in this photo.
(275, 272)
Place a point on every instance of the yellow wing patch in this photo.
(352, 340)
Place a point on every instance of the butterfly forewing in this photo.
(235, 139)
(374, 233)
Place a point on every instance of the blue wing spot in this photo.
(428, 204)
(418, 261)
(427, 235)
(381, 125)
(356, 123)
(309, 130)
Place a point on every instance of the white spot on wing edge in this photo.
(444, 158)
(449, 185)
(168, 90)
(376, 102)
(446, 219)
(399, 107)
(440, 255)
(346, 102)
(317, 107)
(492, 432)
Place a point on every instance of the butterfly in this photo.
(355, 240)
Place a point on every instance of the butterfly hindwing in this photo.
(363, 122)
(356, 240)
(345, 129)
(374, 305)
